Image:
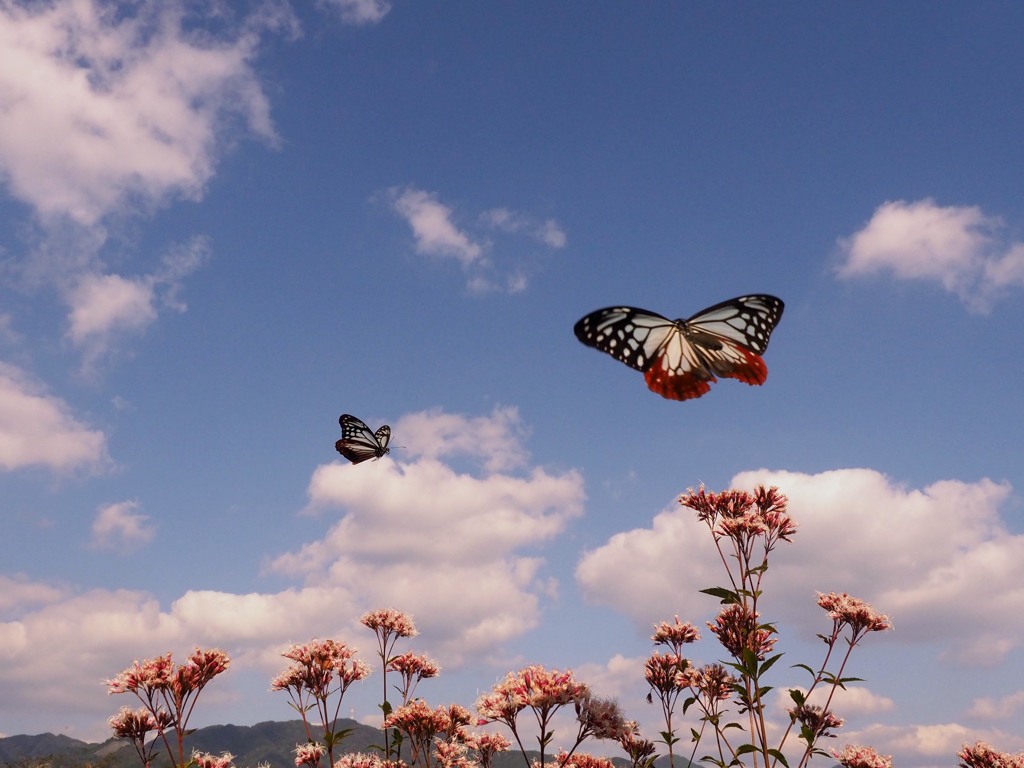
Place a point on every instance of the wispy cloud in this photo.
(123, 108)
(548, 232)
(488, 269)
(104, 308)
(358, 12)
(39, 429)
(957, 246)
(1002, 708)
(121, 526)
(432, 226)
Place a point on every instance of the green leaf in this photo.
(745, 749)
(779, 756)
(797, 696)
(727, 596)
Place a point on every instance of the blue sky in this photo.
(219, 231)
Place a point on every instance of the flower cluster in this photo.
(309, 754)
(317, 666)
(363, 760)
(815, 721)
(319, 670)
(737, 630)
(981, 755)
(710, 683)
(544, 692)
(581, 760)
(854, 613)
(411, 669)
(487, 744)
(168, 693)
(206, 760)
(742, 516)
(389, 622)
(854, 756)
(535, 687)
(675, 635)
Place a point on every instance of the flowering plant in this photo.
(168, 694)
(732, 695)
(319, 670)
(543, 692)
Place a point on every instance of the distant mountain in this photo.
(270, 743)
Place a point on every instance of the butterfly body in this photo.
(359, 443)
(681, 358)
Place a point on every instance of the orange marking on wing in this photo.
(752, 371)
(674, 387)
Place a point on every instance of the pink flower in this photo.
(487, 744)
(854, 756)
(737, 630)
(853, 612)
(412, 669)
(206, 760)
(711, 682)
(133, 725)
(309, 754)
(362, 760)
(675, 635)
(740, 515)
(601, 719)
(150, 675)
(638, 749)
(410, 665)
(581, 760)
(453, 754)
(815, 721)
(662, 669)
(498, 706)
(388, 621)
(981, 755)
(533, 686)
(318, 664)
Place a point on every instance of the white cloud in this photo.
(548, 232)
(18, 591)
(121, 526)
(104, 308)
(107, 109)
(359, 11)
(496, 439)
(37, 428)
(957, 246)
(929, 558)
(989, 708)
(487, 271)
(432, 226)
(101, 304)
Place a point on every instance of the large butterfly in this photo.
(680, 358)
(358, 443)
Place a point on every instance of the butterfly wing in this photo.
(383, 436)
(630, 335)
(358, 443)
(680, 359)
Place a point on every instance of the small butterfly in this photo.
(680, 358)
(358, 443)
